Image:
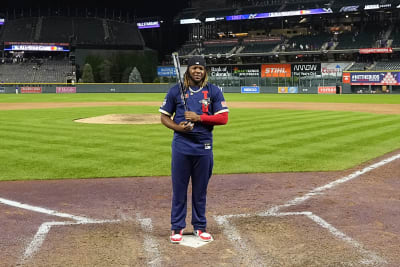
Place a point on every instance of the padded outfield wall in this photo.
(11, 88)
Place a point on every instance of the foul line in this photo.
(44, 229)
(242, 246)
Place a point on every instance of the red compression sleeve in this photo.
(218, 119)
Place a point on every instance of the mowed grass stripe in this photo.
(334, 131)
(272, 121)
(284, 126)
(339, 141)
(47, 144)
(80, 142)
(230, 97)
(306, 129)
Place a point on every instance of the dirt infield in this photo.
(365, 209)
(347, 218)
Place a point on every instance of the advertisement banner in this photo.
(306, 69)
(36, 48)
(288, 90)
(282, 90)
(2, 90)
(275, 70)
(166, 71)
(250, 90)
(246, 71)
(346, 77)
(333, 69)
(383, 50)
(220, 71)
(293, 90)
(349, 9)
(327, 90)
(301, 12)
(375, 78)
(65, 90)
(31, 90)
(148, 24)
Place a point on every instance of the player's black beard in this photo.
(194, 83)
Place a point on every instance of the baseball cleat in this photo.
(176, 236)
(203, 235)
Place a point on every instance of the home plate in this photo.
(193, 241)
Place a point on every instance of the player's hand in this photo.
(192, 116)
(186, 126)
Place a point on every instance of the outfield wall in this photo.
(130, 88)
(85, 88)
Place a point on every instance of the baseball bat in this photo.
(177, 65)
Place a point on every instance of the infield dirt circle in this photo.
(271, 219)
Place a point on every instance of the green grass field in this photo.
(100, 97)
(48, 144)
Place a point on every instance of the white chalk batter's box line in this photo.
(44, 229)
(150, 245)
(370, 258)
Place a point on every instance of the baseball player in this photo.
(192, 144)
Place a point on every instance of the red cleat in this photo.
(203, 235)
(176, 236)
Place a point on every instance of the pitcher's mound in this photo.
(123, 119)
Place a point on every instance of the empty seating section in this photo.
(366, 38)
(125, 34)
(186, 49)
(396, 40)
(307, 42)
(89, 30)
(47, 72)
(20, 30)
(56, 29)
(23, 72)
(53, 71)
(64, 30)
(395, 36)
(218, 49)
(346, 41)
(386, 66)
(258, 47)
(359, 66)
(351, 41)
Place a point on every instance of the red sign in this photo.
(346, 77)
(65, 90)
(327, 90)
(276, 70)
(31, 90)
(383, 50)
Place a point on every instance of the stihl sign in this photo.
(275, 70)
